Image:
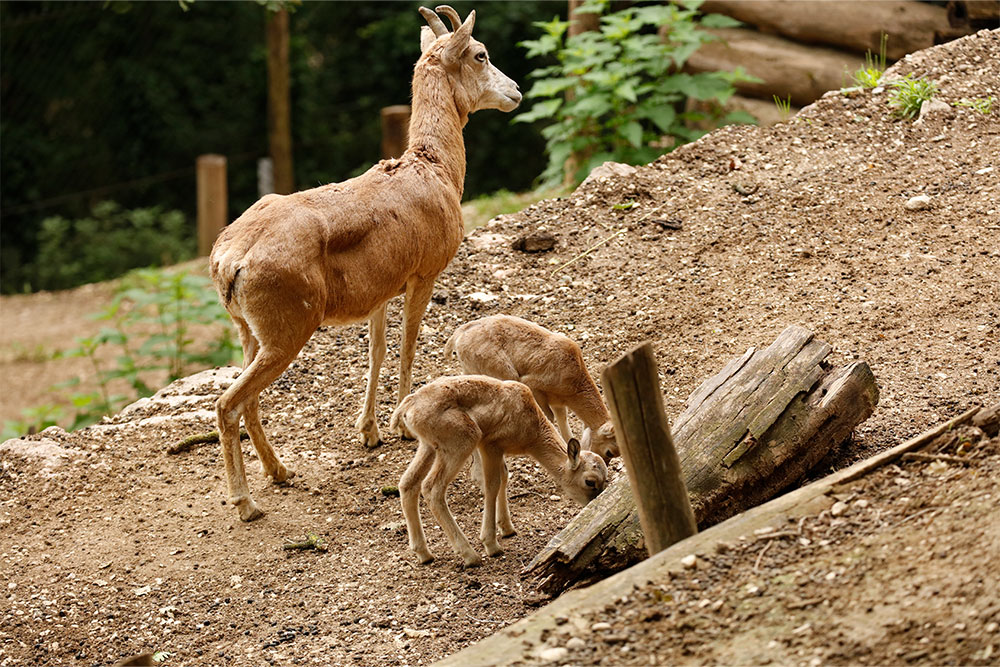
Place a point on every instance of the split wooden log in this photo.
(786, 68)
(745, 435)
(855, 25)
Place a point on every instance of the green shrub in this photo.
(109, 243)
(618, 93)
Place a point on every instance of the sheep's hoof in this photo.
(371, 439)
(424, 557)
(473, 561)
(493, 549)
(509, 531)
(282, 474)
(248, 510)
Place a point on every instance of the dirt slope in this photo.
(110, 547)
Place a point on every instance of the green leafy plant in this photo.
(150, 322)
(108, 244)
(982, 105)
(618, 93)
(909, 93)
(870, 75)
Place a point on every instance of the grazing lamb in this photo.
(512, 348)
(336, 254)
(454, 416)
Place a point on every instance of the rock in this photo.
(933, 108)
(487, 240)
(482, 297)
(609, 170)
(440, 297)
(554, 654)
(838, 508)
(600, 626)
(535, 242)
(575, 643)
(918, 203)
(689, 562)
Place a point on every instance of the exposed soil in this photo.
(111, 547)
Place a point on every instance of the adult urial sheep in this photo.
(337, 253)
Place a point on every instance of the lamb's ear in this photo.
(459, 40)
(586, 438)
(426, 38)
(573, 453)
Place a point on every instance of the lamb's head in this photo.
(602, 441)
(478, 84)
(585, 474)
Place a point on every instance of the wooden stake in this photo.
(279, 113)
(395, 130)
(643, 435)
(213, 205)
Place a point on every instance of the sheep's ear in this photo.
(426, 38)
(459, 40)
(573, 452)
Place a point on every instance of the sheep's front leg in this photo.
(367, 424)
(503, 510)
(493, 472)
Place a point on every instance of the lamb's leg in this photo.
(503, 510)
(409, 495)
(367, 424)
(443, 471)
(561, 421)
(493, 472)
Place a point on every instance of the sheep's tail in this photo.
(399, 415)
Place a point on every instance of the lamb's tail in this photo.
(449, 347)
(399, 415)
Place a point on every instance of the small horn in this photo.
(435, 23)
(452, 15)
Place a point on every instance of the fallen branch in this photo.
(917, 456)
(588, 251)
(312, 541)
(187, 444)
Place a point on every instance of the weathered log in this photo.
(853, 25)
(972, 15)
(745, 435)
(643, 434)
(786, 68)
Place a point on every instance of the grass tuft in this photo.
(909, 94)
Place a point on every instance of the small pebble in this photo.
(918, 203)
(690, 561)
(838, 508)
(553, 654)
(575, 643)
(600, 625)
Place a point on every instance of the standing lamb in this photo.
(454, 416)
(336, 254)
(512, 348)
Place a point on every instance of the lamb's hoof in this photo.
(473, 560)
(248, 510)
(507, 532)
(282, 475)
(493, 549)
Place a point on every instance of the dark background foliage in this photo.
(116, 102)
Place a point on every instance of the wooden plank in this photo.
(632, 386)
(213, 200)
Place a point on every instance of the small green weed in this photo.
(982, 105)
(870, 75)
(784, 105)
(909, 94)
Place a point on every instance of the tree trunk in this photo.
(854, 25)
(746, 434)
(786, 67)
(279, 113)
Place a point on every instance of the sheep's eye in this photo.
(591, 483)
(481, 57)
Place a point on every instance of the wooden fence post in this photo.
(395, 130)
(643, 434)
(279, 113)
(213, 204)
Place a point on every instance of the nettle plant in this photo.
(619, 93)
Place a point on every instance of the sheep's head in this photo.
(478, 84)
(585, 474)
(602, 441)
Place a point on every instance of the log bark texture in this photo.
(855, 25)
(786, 67)
(745, 435)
